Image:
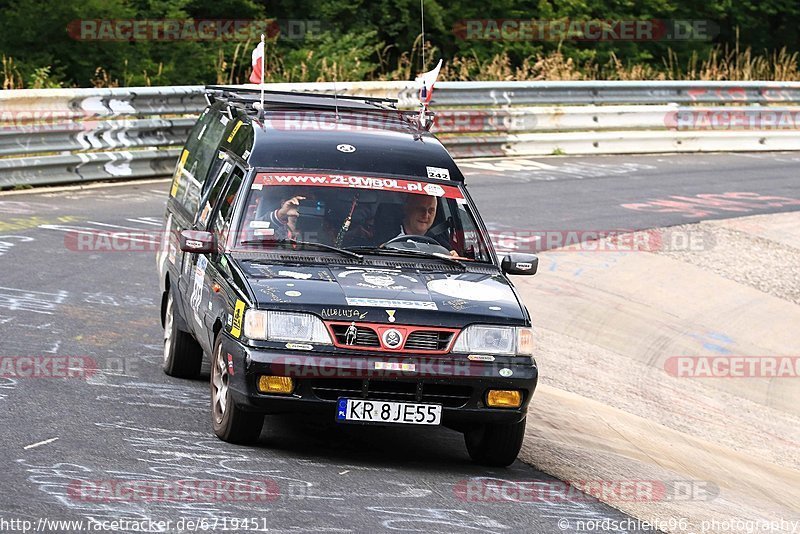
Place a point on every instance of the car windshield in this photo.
(363, 213)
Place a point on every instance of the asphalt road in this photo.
(130, 422)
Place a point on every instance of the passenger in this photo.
(284, 219)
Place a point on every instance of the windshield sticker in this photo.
(359, 182)
(438, 172)
(385, 303)
(435, 190)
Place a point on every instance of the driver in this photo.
(419, 212)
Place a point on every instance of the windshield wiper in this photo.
(321, 246)
(404, 252)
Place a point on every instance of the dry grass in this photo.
(720, 64)
(12, 79)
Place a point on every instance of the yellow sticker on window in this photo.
(238, 318)
(178, 173)
(235, 131)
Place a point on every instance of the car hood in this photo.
(385, 295)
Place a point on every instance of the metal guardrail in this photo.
(57, 136)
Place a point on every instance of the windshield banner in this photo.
(358, 182)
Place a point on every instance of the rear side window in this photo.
(197, 158)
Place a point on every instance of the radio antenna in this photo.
(335, 101)
(422, 19)
(263, 73)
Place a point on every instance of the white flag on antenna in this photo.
(426, 81)
(257, 76)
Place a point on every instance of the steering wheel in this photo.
(421, 243)
(411, 237)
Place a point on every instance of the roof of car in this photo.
(343, 134)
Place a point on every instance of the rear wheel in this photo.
(231, 423)
(495, 444)
(183, 356)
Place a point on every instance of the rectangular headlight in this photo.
(499, 340)
(486, 340)
(285, 326)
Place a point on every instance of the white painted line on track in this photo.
(34, 445)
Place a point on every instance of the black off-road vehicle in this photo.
(326, 254)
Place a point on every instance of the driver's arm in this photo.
(287, 214)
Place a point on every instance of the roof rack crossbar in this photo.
(299, 100)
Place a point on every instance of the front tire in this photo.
(231, 423)
(183, 356)
(495, 445)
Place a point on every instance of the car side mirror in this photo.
(520, 264)
(199, 242)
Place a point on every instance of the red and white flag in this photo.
(257, 76)
(426, 81)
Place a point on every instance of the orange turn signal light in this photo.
(502, 398)
(276, 385)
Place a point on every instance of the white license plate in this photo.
(369, 411)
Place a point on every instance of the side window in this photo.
(211, 197)
(196, 164)
(186, 187)
(208, 145)
(464, 236)
(222, 220)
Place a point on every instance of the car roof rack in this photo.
(281, 100)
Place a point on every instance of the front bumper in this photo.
(459, 385)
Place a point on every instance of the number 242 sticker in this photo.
(438, 172)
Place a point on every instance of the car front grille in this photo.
(428, 340)
(417, 340)
(448, 395)
(365, 336)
